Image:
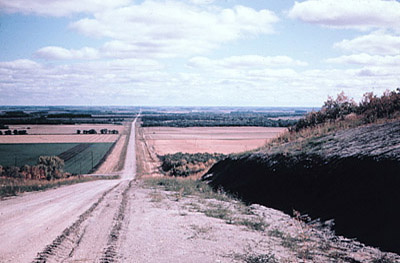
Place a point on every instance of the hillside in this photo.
(351, 176)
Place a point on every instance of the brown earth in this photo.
(114, 160)
(164, 140)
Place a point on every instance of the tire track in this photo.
(110, 252)
(71, 234)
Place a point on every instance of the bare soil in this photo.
(111, 164)
(225, 140)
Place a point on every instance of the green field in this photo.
(81, 162)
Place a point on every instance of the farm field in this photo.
(64, 129)
(59, 138)
(164, 140)
(77, 156)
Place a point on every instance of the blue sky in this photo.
(196, 52)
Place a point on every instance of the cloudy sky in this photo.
(196, 52)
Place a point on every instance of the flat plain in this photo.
(164, 140)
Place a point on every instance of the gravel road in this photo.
(63, 224)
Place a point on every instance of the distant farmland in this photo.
(77, 156)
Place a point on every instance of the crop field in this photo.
(164, 140)
(61, 138)
(77, 156)
(64, 129)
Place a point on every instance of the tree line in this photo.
(219, 119)
(93, 131)
(14, 132)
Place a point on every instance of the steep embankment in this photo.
(352, 176)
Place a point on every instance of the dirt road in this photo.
(70, 223)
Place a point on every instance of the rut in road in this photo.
(110, 252)
(93, 236)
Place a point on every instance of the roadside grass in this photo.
(216, 204)
(186, 187)
(12, 187)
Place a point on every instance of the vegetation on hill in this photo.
(186, 164)
(369, 110)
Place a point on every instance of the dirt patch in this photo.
(111, 164)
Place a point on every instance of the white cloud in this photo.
(145, 81)
(202, 2)
(358, 14)
(59, 7)
(366, 59)
(375, 43)
(173, 29)
(244, 62)
(19, 64)
(59, 53)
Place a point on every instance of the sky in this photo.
(196, 52)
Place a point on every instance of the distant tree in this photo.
(103, 131)
(22, 132)
(52, 165)
(1, 133)
(15, 132)
(78, 131)
(8, 132)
